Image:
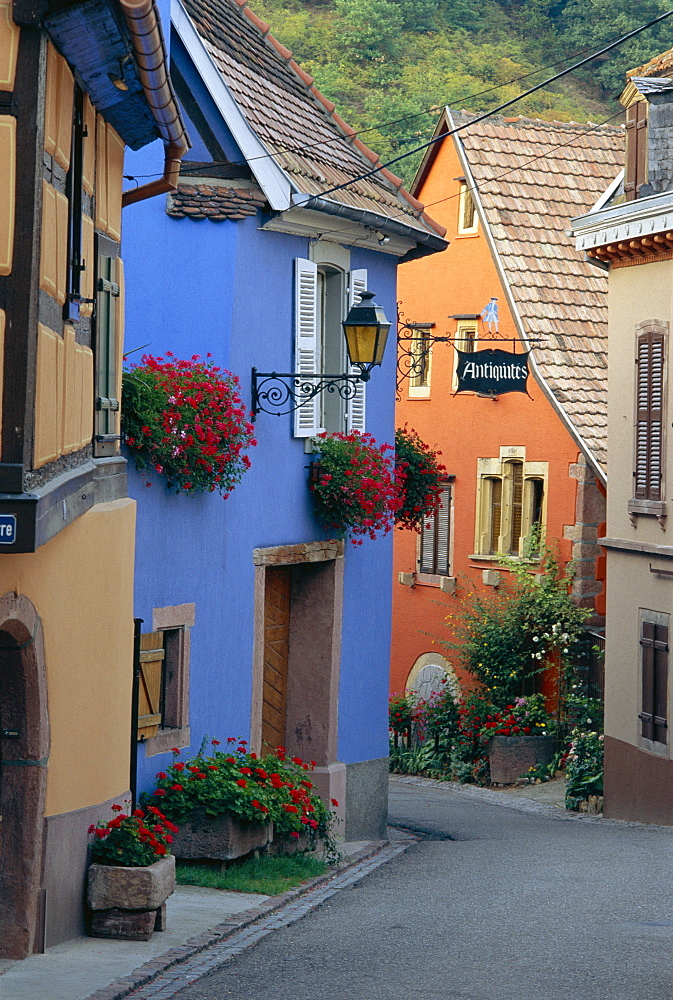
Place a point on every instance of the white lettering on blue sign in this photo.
(7, 529)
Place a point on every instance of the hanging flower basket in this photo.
(420, 476)
(354, 486)
(186, 421)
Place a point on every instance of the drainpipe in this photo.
(149, 51)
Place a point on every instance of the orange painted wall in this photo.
(465, 428)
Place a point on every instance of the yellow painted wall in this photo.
(9, 46)
(7, 187)
(81, 583)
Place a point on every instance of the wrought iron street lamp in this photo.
(366, 330)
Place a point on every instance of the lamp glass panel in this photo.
(361, 343)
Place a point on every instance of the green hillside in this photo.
(388, 63)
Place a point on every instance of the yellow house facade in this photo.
(66, 522)
(630, 233)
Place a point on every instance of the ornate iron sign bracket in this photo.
(284, 392)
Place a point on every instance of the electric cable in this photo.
(433, 109)
(494, 111)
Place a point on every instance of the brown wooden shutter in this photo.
(150, 695)
(649, 416)
(635, 174)
(654, 714)
(496, 513)
(516, 508)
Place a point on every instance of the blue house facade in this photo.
(255, 261)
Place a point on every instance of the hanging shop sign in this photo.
(492, 372)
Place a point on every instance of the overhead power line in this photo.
(501, 107)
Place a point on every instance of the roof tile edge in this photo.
(349, 133)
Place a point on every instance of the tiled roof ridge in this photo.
(656, 66)
(544, 124)
(329, 109)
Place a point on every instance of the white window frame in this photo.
(460, 339)
(419, 387)
(465, 193)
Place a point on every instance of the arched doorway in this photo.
(430, 674)
(24, 749)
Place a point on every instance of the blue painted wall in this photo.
(227, 288)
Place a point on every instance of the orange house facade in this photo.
(517, 465)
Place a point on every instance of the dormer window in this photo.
(636, 149)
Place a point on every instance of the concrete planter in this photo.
(511, 757)
(130, 903)
(220, 838)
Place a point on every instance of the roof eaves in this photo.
(272, 179)
(330, 110)
(513, 305)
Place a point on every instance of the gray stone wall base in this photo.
(66, 859)
(366, 800)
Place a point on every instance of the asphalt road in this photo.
(513, 906)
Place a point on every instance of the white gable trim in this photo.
(565, 419)
(273, 181)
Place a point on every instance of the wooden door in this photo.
(276, 649)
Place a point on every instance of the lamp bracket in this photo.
(280, 393)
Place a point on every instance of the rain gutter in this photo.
(142, 21)
(429, 242)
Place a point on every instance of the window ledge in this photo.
(647, 508)
(445, 583)
(650, 746)
(655, 508)
(165, 740)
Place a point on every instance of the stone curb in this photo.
(149, 971)
(524, 805)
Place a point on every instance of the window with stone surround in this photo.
(648, 464)
(511, 504)
(164, 692)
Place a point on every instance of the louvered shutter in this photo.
(635, 174)
(654, 644)
(356, 413)
(649, 418)
(516, 507)
(496, 514)
(427, 561)
(442, 530)
(307, 350)
(435, 537)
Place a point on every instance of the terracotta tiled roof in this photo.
(552, 173)
(215, 201)
(661, 65)
(309, 140)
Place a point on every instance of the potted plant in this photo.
(232, 802)
(185, 420)
(131, 875)
(354, 487)
(420, 476)
(521, 737)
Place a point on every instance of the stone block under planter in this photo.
(219, 838)
(146, 888)
(511, 757)
(126, 925)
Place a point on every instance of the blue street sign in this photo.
(7, 529)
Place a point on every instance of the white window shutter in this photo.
(357, 284)
(306, 342)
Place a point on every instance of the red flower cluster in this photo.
(420, 476)
(186, 420)
(356, 490)
(132, 839)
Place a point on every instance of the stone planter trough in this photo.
(219, 838)
(130, 903)
(511, 757)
